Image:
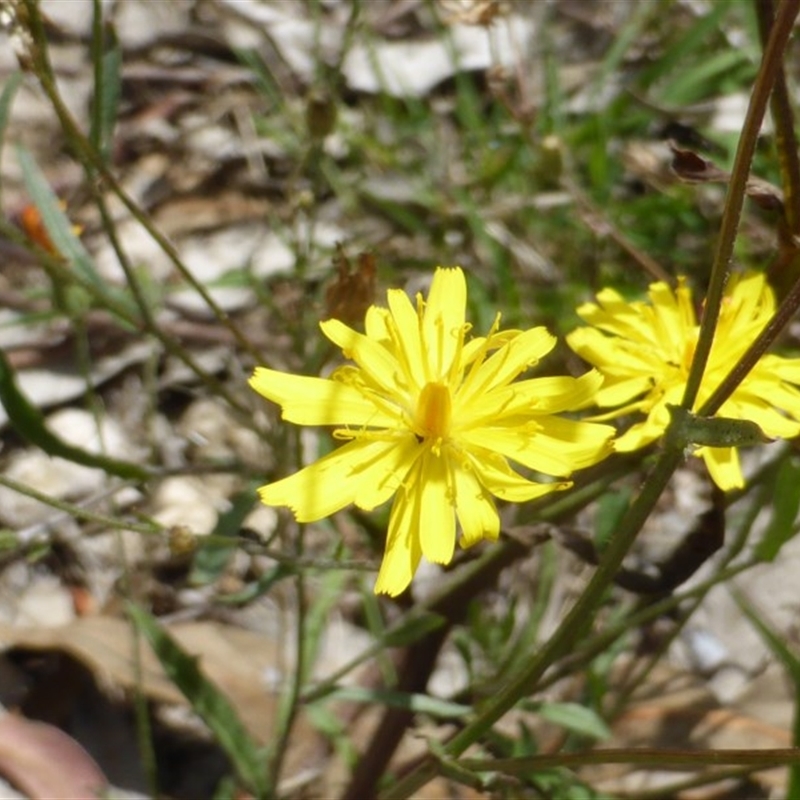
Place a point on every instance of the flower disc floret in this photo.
(433, 418)
(645, 350)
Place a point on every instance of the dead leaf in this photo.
(352, 291)
(692, 168)
(105, 644)
(44, 762)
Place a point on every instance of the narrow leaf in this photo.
(258, 588)
(418, 703)
(63, 236)
(206, 700)
(215, 551)
(687, 429)
(412, 630)
(107, 60)
(58, 226)
(785, 505)
(28, 422)
(575, 718)
(6, 98)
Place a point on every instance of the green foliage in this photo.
(206, 700)
(783, 525)
(29, 423)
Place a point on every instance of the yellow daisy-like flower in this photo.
(645, 349)
(431, 417)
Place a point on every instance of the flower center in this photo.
(432, 417)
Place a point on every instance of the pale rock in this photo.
(393, 67)
(214, 434)
(262, 519)
(57, 477)
(192, 501)
(45, 603)
(141, 249)
(106, 556)
(142, 22)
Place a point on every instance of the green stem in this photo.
(767, 73)
(783, 118)
(650, 757)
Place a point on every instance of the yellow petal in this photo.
(616, 391)
(772, 422)
(786, 369)
(403, 553)
(477, 514)
(614, 356)
(541, 396)
(494, 473)
(361, 469)
(373, 358)
(523, 351)
(443, 320)
(639, 435)
(672, 313)
(437, 521)
(404, 327)
(556, 447)
(723, 466)
(320, 401)
(390, 467)
(376, 325)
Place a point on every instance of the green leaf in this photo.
(418, 703)
(576, 718)
(259, 587)
(61, 233)
(215, 551)
(28, 422)
(785, 505)
(687, 429)
(6, 98)
(58, 226)
(611, 508)
(412, 630)
(206, 700)
(107, 60)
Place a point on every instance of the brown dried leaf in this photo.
(352, 291)
(105, 646)
(44, 762)
(692, 168)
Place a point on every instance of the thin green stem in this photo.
(79, 512)
(734, 200)
(783, 118)
(654, 758)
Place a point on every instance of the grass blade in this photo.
(206, 700)
(28, 422)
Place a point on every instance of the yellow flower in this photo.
(432, 417)
(645, 349)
